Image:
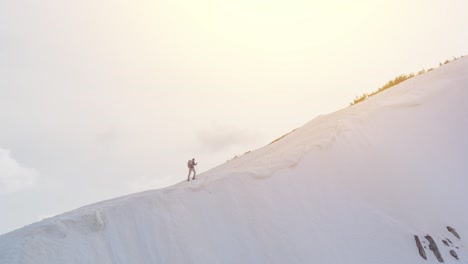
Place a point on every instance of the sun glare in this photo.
(279, 26)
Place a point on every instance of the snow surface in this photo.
(353, 186)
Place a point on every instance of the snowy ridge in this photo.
(354, 186)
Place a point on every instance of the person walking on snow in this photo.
(191, 165)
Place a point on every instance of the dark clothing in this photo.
(191, 165)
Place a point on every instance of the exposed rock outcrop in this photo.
(453, 231)
(445, 243)
(433, 247)
(453, 253)
(421, 250)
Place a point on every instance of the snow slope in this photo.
(354, 186)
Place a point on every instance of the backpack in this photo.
(189, 164)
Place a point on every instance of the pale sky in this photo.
(102, 98)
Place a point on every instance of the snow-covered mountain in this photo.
(383, 181)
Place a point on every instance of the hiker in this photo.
(191, 165)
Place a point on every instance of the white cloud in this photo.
(13, 177)
(219, 138)
(45, 216)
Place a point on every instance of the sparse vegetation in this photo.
(235, 157)
(399, 79)
(282, 137)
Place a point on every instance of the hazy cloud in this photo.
(107, 137)
(219, 138)
(45, 216)
(13, 177)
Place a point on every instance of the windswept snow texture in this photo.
(355, 186)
